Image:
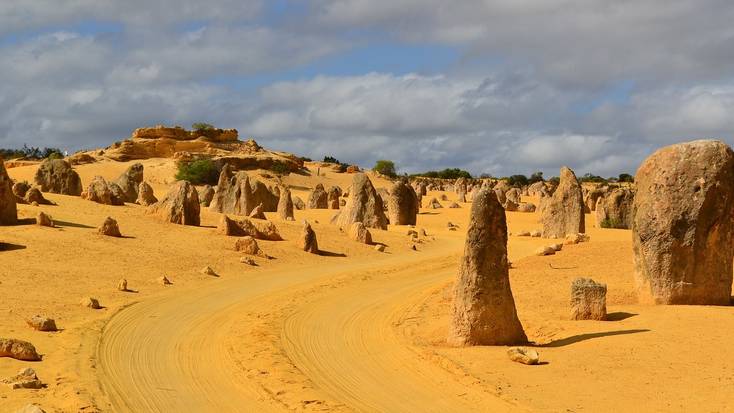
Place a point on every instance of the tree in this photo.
(198, 172)
(536, 177)
(517, 180)
(385, 167)
(200, 126)
(330, 159)
(625, 178)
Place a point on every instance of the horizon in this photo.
(592, 85)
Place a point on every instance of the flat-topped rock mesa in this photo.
(220, 145)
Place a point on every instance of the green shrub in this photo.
(448, 173)
(385, 167)
(200, 126)
(198, 172)
(280, 168)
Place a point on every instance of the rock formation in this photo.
(285, 205)
(402, 204)
(206, 194)
(588, 300)
(109, 228)
(364, 205)
(56, 176)
(307, 240)
(103, 192)
(318, 199)
(264, 230)
(358, 232)
(44, 220)
(483, 310)
(146, 197)
(682, 226)
(615, 209)
(129, 182)
(8, 207)
(237, 194)
(179, 206)
(333, 195)
(18, 349)
(564, 212)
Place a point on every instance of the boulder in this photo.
(514, 195)
(25, 379)
(8, 204)
(39, 323)
(90, 302)
(615, 209)
(247, 245)
(257, 213)
(20, 189)
(44, 220)
(483, 310)
(18, 349)
(307, 240)
(264, 230)
(285, 205)
(546, 250)
(35, 195)
(318, 199)
(358, 232)
(122, 285)
(57, 176)
(298, 203)
(402, 204)
(179, 206)
(564, 212)
(129, 182)
(364, 206)
(434, 204)
(572, 239)
(682, 226)
(103, 192)
(588, 300)
(523, 355)
(110, 228)
(206, 194)
(333, 195)
(146, 197)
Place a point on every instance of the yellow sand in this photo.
(352, 330)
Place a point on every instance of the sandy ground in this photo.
(351, 330)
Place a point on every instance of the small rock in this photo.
(25, 379)
(588, 300)
(44, 220)
(547, 250)
(209, 271)
(576, 239)
(414, 248)
(535, 234)
(110, 228)
(412, 233)
(122, 285)
(90, 302)
(523, 234)
(163, 280)
(523, 355)
(41, 323)
(557, 247)
(248, 261)
(380, 248)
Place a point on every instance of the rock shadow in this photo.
(583, 337)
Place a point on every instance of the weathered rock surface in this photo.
(25, 379)
(364, 205)
(307, 241)
(146, 197)
(523, 355)
(90, 302)
(206, 195)
(247, 245)
(238, 194)
(40, 323)
(179, 206)
(257, 213)
(285, 205)
(264, 230)
(57, 176)
(564, 212)
(35, 195)
(483, 310)
(18, 349)
(588, 300)
(8, 206)
(615, 209)
(109, 228)
(333, 195)
(129, 182)
(402, 204)
(358, 232)
(683, 224)
(319, 198)
(103, 192)
(44, 220)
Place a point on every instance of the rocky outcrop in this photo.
(146, 197)
(564, 212)
(483, 309)
(8, 206)
(264, 230)
(588, 300)
(333, 195)
(364, 205)
(220, 145)
(18, 349)
(179, 206)
(615, 209)
(129, 182)
(285, 205)
(402, 204)
(57, 177)
(683, 226)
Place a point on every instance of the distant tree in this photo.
(200, 126)
(331, 159)
(448, 173)
(385, 167)
(588, 177)
(198, 172)
(517, 180)
(555, 180)
(536, 177)
(626, 178)
(485, 176)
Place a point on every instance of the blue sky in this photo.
(491, 86)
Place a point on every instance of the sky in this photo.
(489, 86)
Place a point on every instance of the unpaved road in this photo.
(170, 353)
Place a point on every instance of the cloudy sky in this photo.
(491, 86)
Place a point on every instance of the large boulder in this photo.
(402, 204)
(179, 206)
(237, 194)
(483, 311)
(563, 213)
(18, 349)
(615, 209)
(129, 182)
(364, 205)
(103, 192)
(318, 199)
(683, 224)
(56, 176)
(8, 206)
